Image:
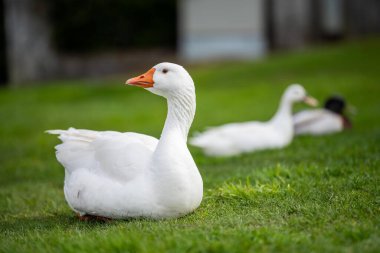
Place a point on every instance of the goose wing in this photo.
(121, 156)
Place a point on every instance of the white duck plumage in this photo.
(236, 138)
(121, 175)
(327, 120)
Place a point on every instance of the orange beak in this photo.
(310, 101)
(144, 80)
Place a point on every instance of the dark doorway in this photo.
(269, 24)
(89, 26)
(3, 58)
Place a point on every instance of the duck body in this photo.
(125, 175)
(317, 122)
(236, 138)
(327, 120)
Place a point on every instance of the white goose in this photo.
(327, 120)
(121, 175)
(236, 138)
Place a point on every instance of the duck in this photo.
(122, 175)
(327, 120)
(243, 137)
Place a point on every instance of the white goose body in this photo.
(121, 175)
(236, 138)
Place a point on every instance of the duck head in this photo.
(297, 93)
(335, 104)
(164, 79)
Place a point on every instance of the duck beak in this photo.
(310, 101)
(145, 80)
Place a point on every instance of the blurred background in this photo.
(63, 63)
(42, 39)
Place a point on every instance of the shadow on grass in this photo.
(51, 222)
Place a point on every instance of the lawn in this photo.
(320, 194)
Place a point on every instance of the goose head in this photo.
(297, 93)
(165, 79)
(174, 83)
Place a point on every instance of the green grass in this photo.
(320, 194)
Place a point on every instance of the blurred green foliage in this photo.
(98, 25)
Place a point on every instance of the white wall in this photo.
(221, 29)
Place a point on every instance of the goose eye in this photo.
(165, 71)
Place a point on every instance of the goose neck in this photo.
(284, 111)
(181, 111)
